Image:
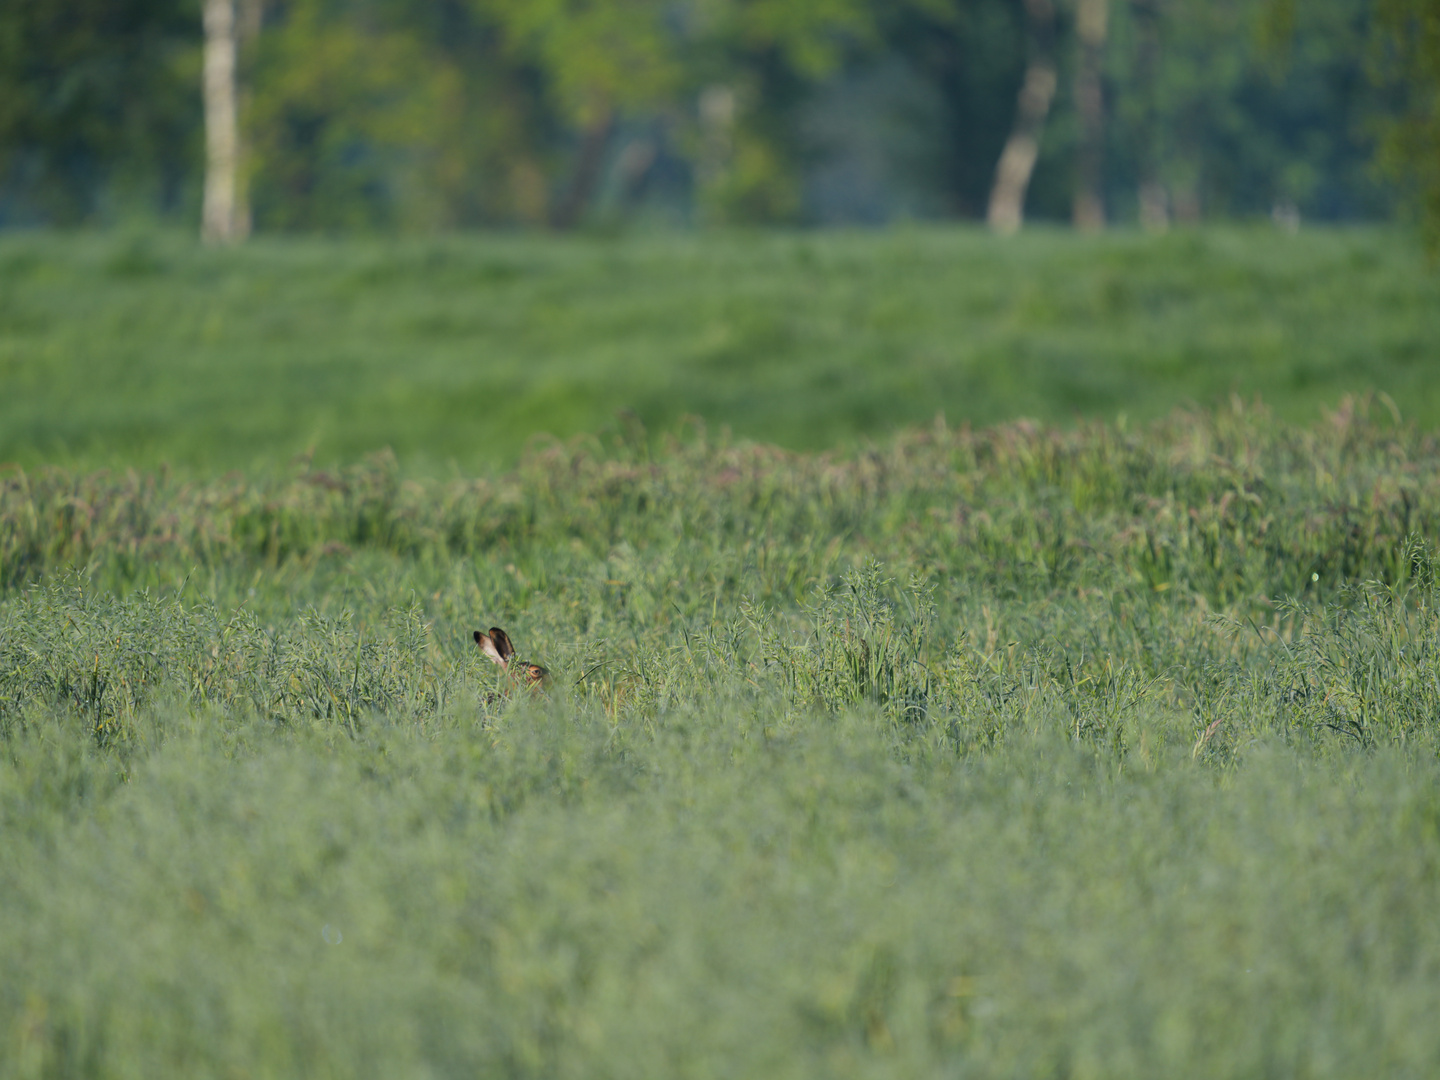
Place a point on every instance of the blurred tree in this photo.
(458, 112)
(98, 107)
(1210, 117)
(345, 113)
(749, 65)
(1406, 58)
(222, 219)
(1037, 90)
(399, 114)
(496, 139)
(1154, 202)
(967, 60)
(1092, 28)
(597, 57)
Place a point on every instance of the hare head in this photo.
(496, 645)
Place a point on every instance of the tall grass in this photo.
(1222, 506)
(1106, 751)
(552, 894)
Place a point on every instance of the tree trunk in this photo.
(252, 17)
(222, 219)
(1154, 208)
(1092, 19)
(1017, 160)
(593, 145)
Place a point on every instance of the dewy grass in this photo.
(1104, 752)
(148, 350)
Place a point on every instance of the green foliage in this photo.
(394, 115)
(967, 61)
(342, 131)
(600, 56)
(1245, 115)
(143, 349)
(98, 103)
(1407, 52)
(762, 57)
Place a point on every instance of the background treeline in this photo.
(397, 114)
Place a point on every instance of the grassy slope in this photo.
(146, 350)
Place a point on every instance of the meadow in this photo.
(140, 350)
(1103, 748)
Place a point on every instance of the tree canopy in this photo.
(395, 114)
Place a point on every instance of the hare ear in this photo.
(502, 644)
(488, 647)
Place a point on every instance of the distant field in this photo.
(145, 349)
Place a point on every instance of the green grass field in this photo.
(1091, 749)
(143, 350)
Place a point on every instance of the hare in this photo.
(496, 645)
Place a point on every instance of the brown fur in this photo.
(497, 646)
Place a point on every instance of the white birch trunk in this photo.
(222, 219)
(1017, 161)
